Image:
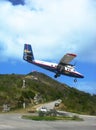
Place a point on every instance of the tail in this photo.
(28, 53)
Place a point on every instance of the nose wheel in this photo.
(75, 80)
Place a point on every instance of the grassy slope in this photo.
(11, 92)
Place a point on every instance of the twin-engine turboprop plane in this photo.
(62, 68)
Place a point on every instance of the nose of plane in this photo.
(81, 76)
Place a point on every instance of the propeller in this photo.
(75, 63)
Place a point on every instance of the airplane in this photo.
(62, 68)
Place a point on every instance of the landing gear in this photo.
(75, 80)
(56, 75)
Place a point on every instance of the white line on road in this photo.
(5, 126)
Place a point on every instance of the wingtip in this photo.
(71, 54)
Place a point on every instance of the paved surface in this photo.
(49, 105)
(14, 122)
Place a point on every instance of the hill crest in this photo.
(11, 92)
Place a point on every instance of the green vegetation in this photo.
(51, 118)
(12, 93)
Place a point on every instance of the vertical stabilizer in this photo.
(28, 53)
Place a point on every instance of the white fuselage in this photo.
(67, 69)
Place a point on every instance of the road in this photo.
(15, 122)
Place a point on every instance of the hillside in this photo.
(47, 89)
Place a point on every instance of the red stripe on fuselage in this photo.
(73, 74)
(48, 67)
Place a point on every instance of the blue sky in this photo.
(53, 28)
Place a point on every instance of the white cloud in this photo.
(53, 28)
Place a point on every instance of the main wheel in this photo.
(55, 76)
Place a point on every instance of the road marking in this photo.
(5, 126)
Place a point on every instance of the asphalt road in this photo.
(15, 122)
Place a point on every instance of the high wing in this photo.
(67, 58)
